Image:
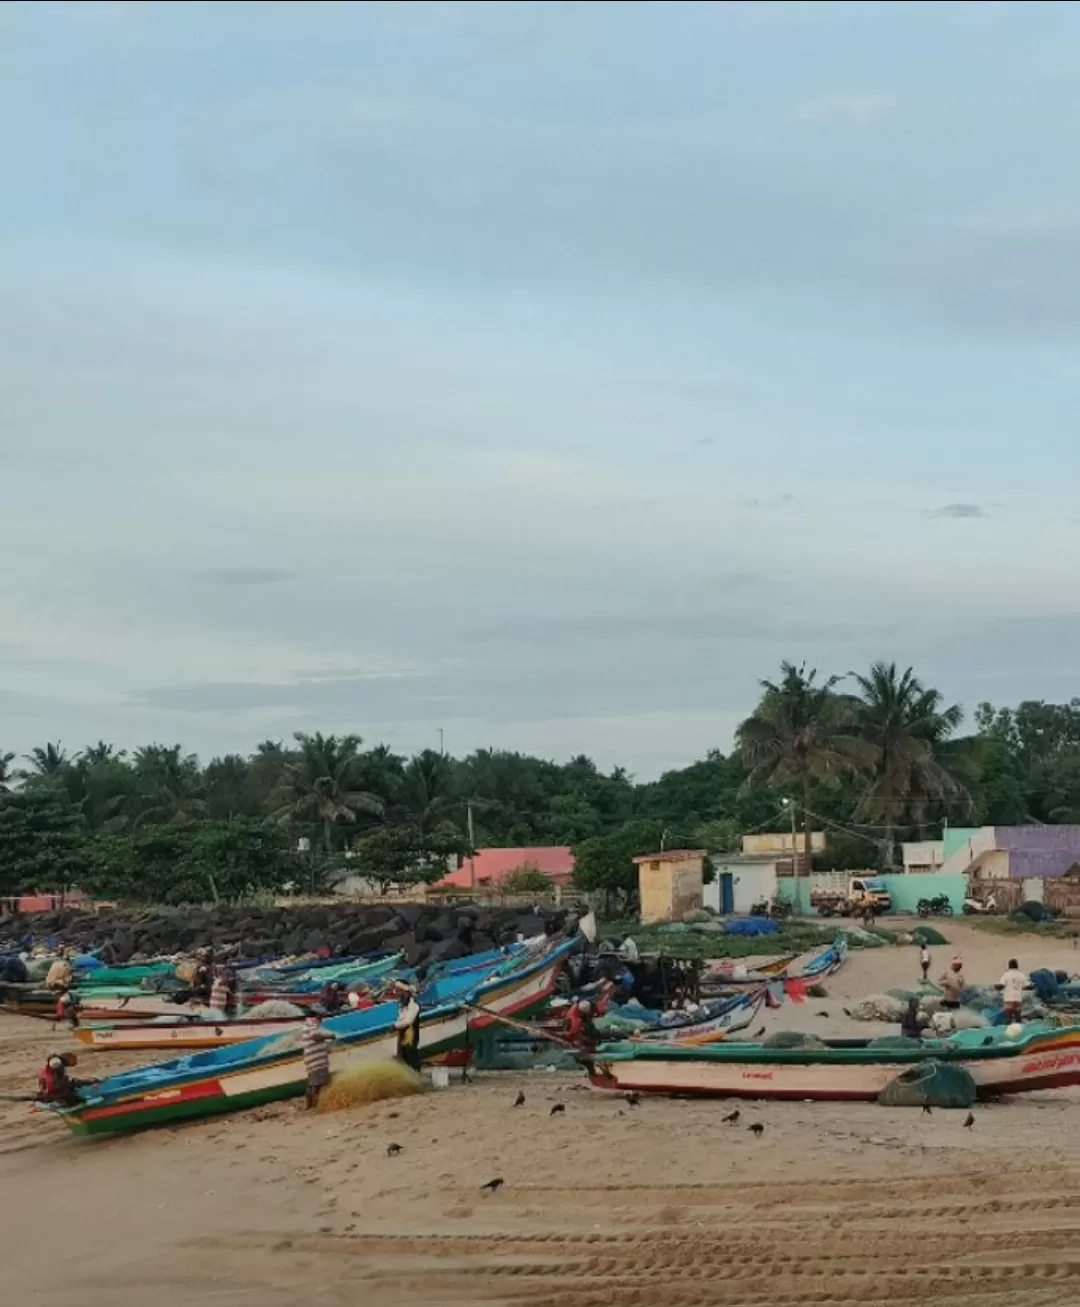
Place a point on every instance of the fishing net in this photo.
(877, 1007)
(933, 1084)
(928, 935)
(273, 1007)
(792, 1039)
(371, 1082)
(894, 1041)
(950, 1020)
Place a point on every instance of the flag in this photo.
(795, 990)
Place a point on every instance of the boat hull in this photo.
(1052, 1062)
(269, 1079)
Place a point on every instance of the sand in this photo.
(655, 1206)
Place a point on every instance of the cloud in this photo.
(846, 108)
(242, 576)
(955, 510)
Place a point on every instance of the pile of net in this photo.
(859, 938)
(273, 1008)
(901, 1042)
(878, 1007)
(792, 1039)
(948, 1021)
(930, 1084)
(616, 1027)
(370, 1082)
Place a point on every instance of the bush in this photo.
(525, 880)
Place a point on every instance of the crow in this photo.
(633, 1098)
(969, 1121)
(520, 1100)
(493, 1185)
(559, 1107)
(392, 1150)
(822, 1014)
(731, 1117)
(759, 1033)
(846, 1011)
(926, 1108)
(757, 1129)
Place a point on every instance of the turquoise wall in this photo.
(906, 891)
(956, 837)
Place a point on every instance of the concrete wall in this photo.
(905, 891)
(779, 843)
(752, 882)
(926, 855)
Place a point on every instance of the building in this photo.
(488, 867)
(742, 879)
(923, 856)
(670, 883)
(1011, 852)
(778, 843)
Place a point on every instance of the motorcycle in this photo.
(938, 906)
(977, 907)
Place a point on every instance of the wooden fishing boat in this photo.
(717, 1023)
(1042, 1057)
(264, 1070)
(191, 1030)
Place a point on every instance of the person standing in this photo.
(316, 1045)
(407, 1026)
(924, 960)
(1012, 985)
(953, 983)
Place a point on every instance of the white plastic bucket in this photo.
(440, 1077)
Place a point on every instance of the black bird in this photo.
(822, 1014)
(926, 1108)
(520, 1100)
(969, 1121)
(731, 1117)
(759, 1033)
(559, 1107)
(392, 1150)
(633, 1098)
(757, 1129)
(846, 1011)
(493, 1185)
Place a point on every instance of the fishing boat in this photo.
(1041, 1057)
(192, 1029)
(272, 1068)
(717, 1021)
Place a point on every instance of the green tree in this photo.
(169, 786)
(318, 785)
(908, 728)
(49, 761)
(235, 859)
(6, 775)
(525, 880)
(43, 839)
(425, 791)
(802, 734)
(406, 855)
(605, 864)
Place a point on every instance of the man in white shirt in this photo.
(1012, 986)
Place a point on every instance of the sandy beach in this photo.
(655, 1206)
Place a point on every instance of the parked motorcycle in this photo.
(979, 907)
(938, 906)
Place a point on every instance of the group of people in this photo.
(954, 985)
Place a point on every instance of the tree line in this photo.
(872, 758)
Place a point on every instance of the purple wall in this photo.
(1039, 850)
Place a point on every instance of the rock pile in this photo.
(424, 933)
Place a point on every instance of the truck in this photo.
(838, 894)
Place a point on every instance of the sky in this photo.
(540, 373)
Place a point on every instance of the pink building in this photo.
(490, 866)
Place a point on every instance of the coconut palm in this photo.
(425, 794)
(169, 785)
(52, 760)
(802, 733)
(909, 728)
(6, 774)
(318, 784)
(95, 754)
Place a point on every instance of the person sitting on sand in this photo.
(912, 1021)
(407, 1026)
(953, 983)
(316, 1045)
(54, 1083)
(1012, 984)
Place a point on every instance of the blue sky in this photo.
(542, 372)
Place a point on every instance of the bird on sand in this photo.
(757, 1129)
(392, 1150)
(969, 1120)
(822, 1014)
(559, 1107)
(926, 1109)
(633, 1098)
(731, 1117)
(520, 1100)
(493, 1185)
(846, 1011)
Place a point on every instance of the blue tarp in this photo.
(752, 926)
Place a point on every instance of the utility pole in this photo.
(442, 746)
(472, 846)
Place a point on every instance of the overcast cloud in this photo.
(545, 373)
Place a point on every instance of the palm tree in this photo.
(6, 775)
(169, 786)
(801, 734)
(425, 792)
(48, 761)
(318, 784)
(96, 754)
(908, 727)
